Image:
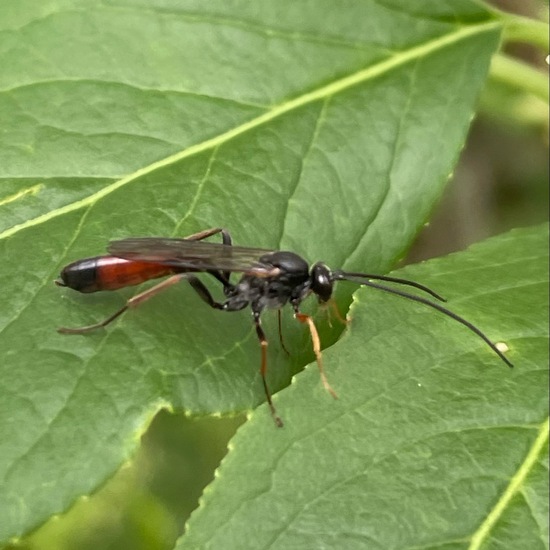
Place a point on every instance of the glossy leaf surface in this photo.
(123, 118)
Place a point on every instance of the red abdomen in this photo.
(109, 273)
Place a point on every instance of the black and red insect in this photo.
(270, 279)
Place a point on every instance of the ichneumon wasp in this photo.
(270, 279)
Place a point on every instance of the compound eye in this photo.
(321, 282)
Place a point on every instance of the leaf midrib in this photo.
(331, 89)
(515, 485)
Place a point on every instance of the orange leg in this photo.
(143, 296)
(131, 303)
(336, 312)
(316, 342)
(204, 234)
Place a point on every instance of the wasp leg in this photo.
(226, 239)
(316, 342)
(131, 303)
(280, 327)
(203, 292)
(139, 298)
(263, 368)
(205, 234)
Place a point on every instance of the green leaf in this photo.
(434, 442)
(322, 128)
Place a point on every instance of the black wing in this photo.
(195, 255)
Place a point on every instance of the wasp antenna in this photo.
(443, 310)
(360, 277)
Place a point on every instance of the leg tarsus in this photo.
(316, 342)
(143, 296)
(95, 326)
(336, 312)
(204, 234)
(130, 304)
(263, 368)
